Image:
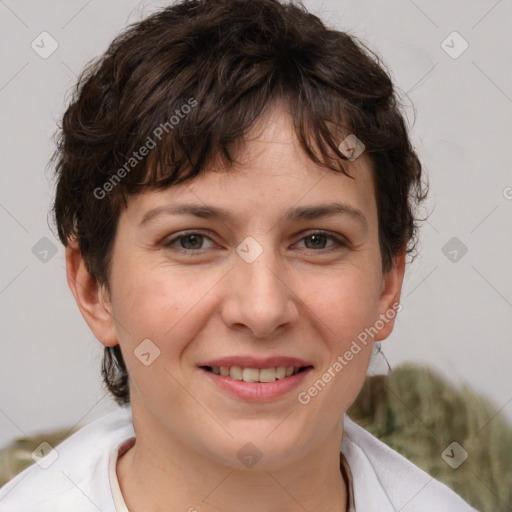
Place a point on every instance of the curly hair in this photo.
(196, 76)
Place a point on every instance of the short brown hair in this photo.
(215, 66)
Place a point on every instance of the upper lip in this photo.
(256, 362)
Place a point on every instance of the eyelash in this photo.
(192, 252)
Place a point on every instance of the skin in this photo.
(296, 299)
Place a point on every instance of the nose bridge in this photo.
(260, 299)
(262, 276)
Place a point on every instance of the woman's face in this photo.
(265, 286)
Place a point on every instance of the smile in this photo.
(255, 374)
(256, 384)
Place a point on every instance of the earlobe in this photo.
(90, 297)
(390, 296)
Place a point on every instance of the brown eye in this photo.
(191, 241)
(318, 241)
(187, 242)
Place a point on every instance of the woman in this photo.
(236, 192)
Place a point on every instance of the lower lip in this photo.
(257, 391)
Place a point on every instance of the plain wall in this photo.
(456, 317)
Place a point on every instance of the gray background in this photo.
(456, 315)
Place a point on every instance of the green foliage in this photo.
(417, 413)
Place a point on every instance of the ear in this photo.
(91, 298)
(389, 301)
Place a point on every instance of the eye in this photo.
(192, 241)
(187, 241)
(318, 239)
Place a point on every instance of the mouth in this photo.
(256, 375)
(256, 379)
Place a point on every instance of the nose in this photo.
(258, 298)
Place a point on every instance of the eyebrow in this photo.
(292, 215)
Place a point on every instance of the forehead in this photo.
(272, 175)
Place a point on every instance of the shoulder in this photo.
(74, 474)
(395, 482)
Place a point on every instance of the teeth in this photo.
(236, 372)
(250, 375)
(255, 374)
(267, 374)
(281, 372)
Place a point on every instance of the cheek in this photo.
(157, 306)
(346, 312)
(346, 301)
(347, 308)
(160, 303)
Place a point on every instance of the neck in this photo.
(156, 475)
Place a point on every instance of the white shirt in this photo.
(83, 476)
